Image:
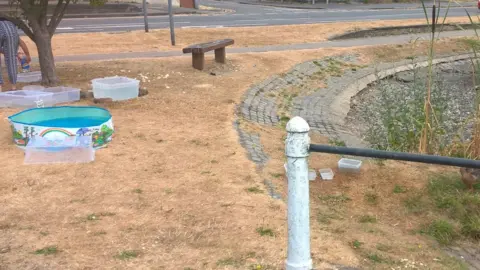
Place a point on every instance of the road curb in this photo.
(266, 4)
(358, 34)
(112, 15)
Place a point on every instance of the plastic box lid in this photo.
(72, 149)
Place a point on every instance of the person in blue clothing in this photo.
(9, 42)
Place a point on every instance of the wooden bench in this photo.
(198, 51)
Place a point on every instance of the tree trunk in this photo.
(43, 40)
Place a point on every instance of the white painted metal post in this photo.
(296, 150)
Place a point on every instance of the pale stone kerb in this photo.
(297, 143)
(340, 106)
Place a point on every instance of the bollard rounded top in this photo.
(297, 125)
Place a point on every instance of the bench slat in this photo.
(208, 46)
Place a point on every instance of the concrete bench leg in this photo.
(198, 60)
(220, 55)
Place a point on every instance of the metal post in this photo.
(145, 15)
(296, 149)
(172, 26)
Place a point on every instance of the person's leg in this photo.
(10, 49)
(2, 42)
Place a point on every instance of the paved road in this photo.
(246, 15)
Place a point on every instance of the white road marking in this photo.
(64, 28)
(187, 27)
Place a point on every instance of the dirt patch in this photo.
(401, 30)
(175, 189)
(159, 40)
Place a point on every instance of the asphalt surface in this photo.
(248, 15)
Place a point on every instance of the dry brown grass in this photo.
(159, 40)
(174, 181)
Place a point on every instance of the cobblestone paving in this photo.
(251, 142)
(260, 101)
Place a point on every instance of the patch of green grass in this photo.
(283, 121)
(337, 142)
(50, 250)
(261, 267)
(373, 257)
(367, 219)
(168, 190)
(199, 143)
(325, 217)
(471, 227)
(371, 198)
(453, 263)
(127, 254)
(399, 189)
(317, 63)
(332, 200)
(44, 233)
(383, 247)
(416, 203)
(138, 191)
(356, 244)
(380, 162)
(276, 175)
(449, 196)
(442, 230)
(263, 231)
(230, 262)
(100, 233)
(254, 190)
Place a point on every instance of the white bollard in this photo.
(296, 149)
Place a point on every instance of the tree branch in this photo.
(20, 24)
(57, 16)
(43, 7)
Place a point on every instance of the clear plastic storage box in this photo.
(349, 165)
(63, 94)
(72, 149)
(29, 77)
(25, 99)
(33, 87)
(116, 88)
(326, 174)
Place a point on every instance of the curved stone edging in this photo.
(416, 28)
(340, 105)
(326, 108)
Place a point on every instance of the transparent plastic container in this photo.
(349, 165)
(29, 77)
(116, 88)
(33, 87)
(63, 94)
(312, 175)
(25, 99)
(72, 149)
(326, 174)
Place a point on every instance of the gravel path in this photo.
(401, 98)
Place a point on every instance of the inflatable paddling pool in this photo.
(58, 123)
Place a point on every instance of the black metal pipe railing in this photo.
(431, 159)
